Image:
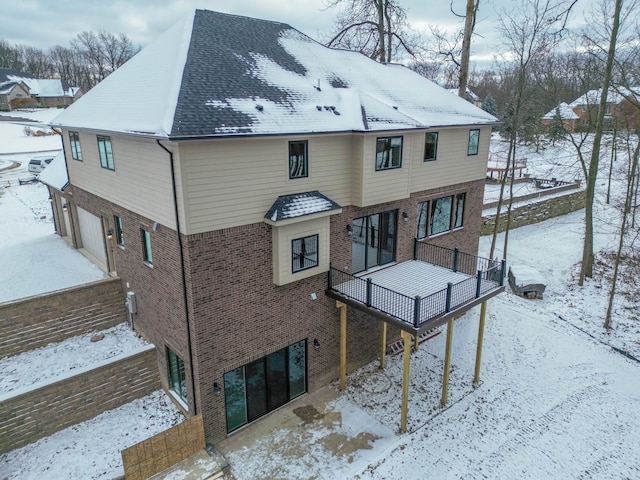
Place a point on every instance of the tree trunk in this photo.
(586, 269)
(469, 23)
(627, 208)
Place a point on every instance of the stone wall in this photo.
(39, 320)
(26, 416)
(536, 212)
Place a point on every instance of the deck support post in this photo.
(483, 314)
(383, 346)
(406, 338)
(416, 343)
(343, 344)
(447, 363)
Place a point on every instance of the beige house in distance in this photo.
(256, 192)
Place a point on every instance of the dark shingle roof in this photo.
(300, 204)
(233, 43)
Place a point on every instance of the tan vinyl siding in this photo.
(282, 238)
(452, 165)
(141, 181)
(231, 182)
(385, 185)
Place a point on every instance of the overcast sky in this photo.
(45, 23)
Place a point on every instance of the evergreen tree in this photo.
(489, 105)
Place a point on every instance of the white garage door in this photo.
(92, 235)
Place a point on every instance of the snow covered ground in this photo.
(555, 399)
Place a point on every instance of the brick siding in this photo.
(237, 314)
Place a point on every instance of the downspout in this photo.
(184, 275)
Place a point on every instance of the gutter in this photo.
(184, 277)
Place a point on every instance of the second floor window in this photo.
(388, 153)
(430, 146)
(304, 253)
(474, 140)
(106, 152)
(76, 151)
(298, 159)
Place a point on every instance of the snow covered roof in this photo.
(55, 175)
(592, 97)
(564, 110)
(38, 87)
(300, 204)
(6, 87)
(215, 74)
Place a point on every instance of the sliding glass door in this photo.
(373, 240)
(265, 384)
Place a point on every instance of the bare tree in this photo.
(586, 269)
(529, 33)
(376, 28)
(469, 26)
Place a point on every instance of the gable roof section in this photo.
(215, 74)
(565, 112)
(38, 87)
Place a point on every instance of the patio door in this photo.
(265, 384)
(373, 240)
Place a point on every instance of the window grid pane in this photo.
(298, 162)
(119, 233)
(430, 146)
(76, 150)
(474, 139)
(441, 215)
(388, 153)
(146, 246)
(106, 153)
(304, 253)
(459, 210)
(177, 375)
(423, 213)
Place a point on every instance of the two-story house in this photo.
(238, 176)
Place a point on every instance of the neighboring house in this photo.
(470, 96)
(12, 90)
(236, 174)
(622, 110)
(47, 92)
(563, 112)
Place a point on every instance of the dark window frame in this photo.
(473, 146)
(302, 387)
(434, 155)
(298, 167)
(105, 151)
(119, 231)
(455, 212)
(301, 258)
(76, 148)
(177, 375)
(385, 159)
(147, 253)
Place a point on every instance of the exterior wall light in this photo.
(64, 207)
(349, 230)
(405, 216)
(109, 234)
(316, 344)
(216, 388)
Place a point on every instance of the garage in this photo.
(92, 237)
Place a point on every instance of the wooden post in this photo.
(343, 344)
(447, 363)
(416, 343)
(383, 347)
(483, 313)
(406, 338)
